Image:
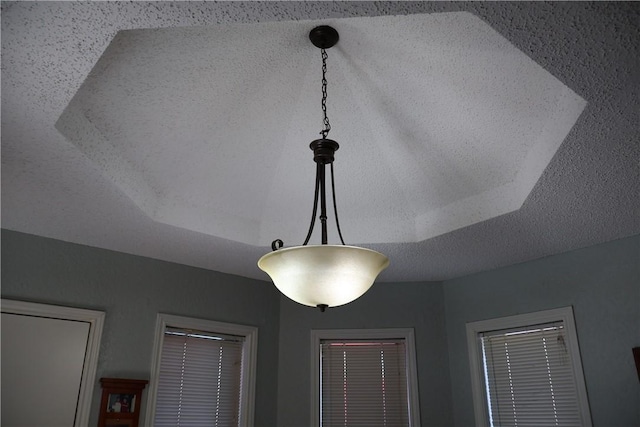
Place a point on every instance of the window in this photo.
(526, 371)
(364, 378)
(203, 373)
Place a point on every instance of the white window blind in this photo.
(363, 383)
(200, 379)
(529, 377)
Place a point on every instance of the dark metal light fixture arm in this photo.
(335, 206)
(323, 154)
(323, 204)
(315, 208)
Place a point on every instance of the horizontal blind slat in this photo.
(199, 381)
(364, 383)
(530, 376)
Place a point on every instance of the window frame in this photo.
(249, 360)
(564, 314)
(407, 334)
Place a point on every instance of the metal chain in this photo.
(327, 126)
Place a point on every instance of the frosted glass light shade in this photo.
(323, 274)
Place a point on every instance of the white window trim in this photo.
(564, 314)
(249, 357)
(374, 334)
(96, 323)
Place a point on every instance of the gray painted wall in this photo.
(132, 290)
(386, 305)
(602, 283)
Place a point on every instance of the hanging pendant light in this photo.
(323, 275)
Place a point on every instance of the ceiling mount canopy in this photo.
(324, 37)
(323, 275)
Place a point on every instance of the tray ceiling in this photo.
(443, 123)
(472, 136)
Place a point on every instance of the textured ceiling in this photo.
(162, 143)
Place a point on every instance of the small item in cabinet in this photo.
(120, 405)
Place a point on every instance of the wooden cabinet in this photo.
(121, 401)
